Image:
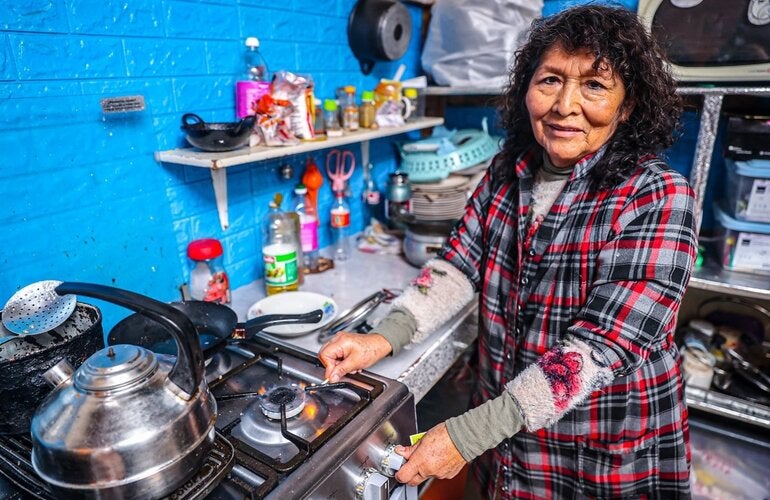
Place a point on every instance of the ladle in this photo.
(37, 308)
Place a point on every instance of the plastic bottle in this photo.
(340, 222)
(367, 110)
(208, 279)
(255, 81)
(331, 122)
(279, 251)
(349, 109)
(308, 220)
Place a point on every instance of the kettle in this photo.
(128, 423)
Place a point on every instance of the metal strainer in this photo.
(37, 308)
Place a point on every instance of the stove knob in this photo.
(392, 461)
(373, 486)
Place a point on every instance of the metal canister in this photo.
(398, 200)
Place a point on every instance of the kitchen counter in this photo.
(418, 366)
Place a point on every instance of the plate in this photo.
(294, 303)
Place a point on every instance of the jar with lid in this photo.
(208, 279)
(367, 110)
(349, 111)
(331, 121)
(398, 200)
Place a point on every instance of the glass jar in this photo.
(367, 110)
(208, 279)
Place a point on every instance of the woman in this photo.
(580, 242)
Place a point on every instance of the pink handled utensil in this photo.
(339, 166)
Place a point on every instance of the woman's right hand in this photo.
(350, 352)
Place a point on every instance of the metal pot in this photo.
(24, 360)
(217, 137)
(378, 30)
(423, 240)
(128, 423)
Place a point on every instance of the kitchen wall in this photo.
(83, 197)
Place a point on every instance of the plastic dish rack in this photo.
(470, 147)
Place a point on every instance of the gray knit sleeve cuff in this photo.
(397, 327)
(485, 426)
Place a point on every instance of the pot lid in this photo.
(115, 367)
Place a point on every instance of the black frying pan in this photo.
(216, 323)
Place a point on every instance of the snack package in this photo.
(298, 91)
(272, 125)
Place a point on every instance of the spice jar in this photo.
(208, 279)
(367, 110)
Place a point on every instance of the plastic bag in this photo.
(472, 42)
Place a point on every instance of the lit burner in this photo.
(292, 397)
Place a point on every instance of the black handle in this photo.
(187, 117)
(256, 325)
(187, 372)
(247, 121)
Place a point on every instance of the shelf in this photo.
(728, 406)
(713, 277)
(218, 162)
(463, 90)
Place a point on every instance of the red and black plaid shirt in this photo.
(610, 269)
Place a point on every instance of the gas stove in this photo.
(281, 432)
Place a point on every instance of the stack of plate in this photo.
(444, 200)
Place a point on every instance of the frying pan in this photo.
(216, 323)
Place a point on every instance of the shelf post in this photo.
(704, 149)
(219, 180)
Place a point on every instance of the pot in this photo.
(215, 324)
(217, 137)
(423, 240)
(128, 423)
(24, 360)
(378, 30)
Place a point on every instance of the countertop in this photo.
(418, 366)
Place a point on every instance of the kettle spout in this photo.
(59, 373)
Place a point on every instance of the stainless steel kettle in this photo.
(128, 423)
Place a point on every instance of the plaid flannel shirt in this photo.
(609, 270)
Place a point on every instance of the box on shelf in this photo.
(748, 189)
(748, 137)
(745, 246)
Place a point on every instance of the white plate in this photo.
(294, 303)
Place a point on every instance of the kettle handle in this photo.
(187, 372)
(190, 119)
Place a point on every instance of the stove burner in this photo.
(292, 398)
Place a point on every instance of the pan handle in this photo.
(187, 372)
(256, 325)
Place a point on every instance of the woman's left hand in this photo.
(435, 455)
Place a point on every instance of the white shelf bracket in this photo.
(219, 180)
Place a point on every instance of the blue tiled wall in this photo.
(83, 197)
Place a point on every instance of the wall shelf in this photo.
(218, 162)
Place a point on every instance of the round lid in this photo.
(204, 249)
(300, 189)
(410, 92)
(115, 367)
(350, 89)
(252, 41)
(330, 105)
(367, 95)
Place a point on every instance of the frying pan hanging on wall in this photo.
(378, 30)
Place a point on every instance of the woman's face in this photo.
(573, 109)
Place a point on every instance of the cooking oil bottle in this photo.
(280, 248)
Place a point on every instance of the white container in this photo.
(745, 246)
(748, 189)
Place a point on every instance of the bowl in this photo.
(217, 137)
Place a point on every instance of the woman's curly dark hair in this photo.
(614, 35)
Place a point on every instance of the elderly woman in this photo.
(580, 242)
